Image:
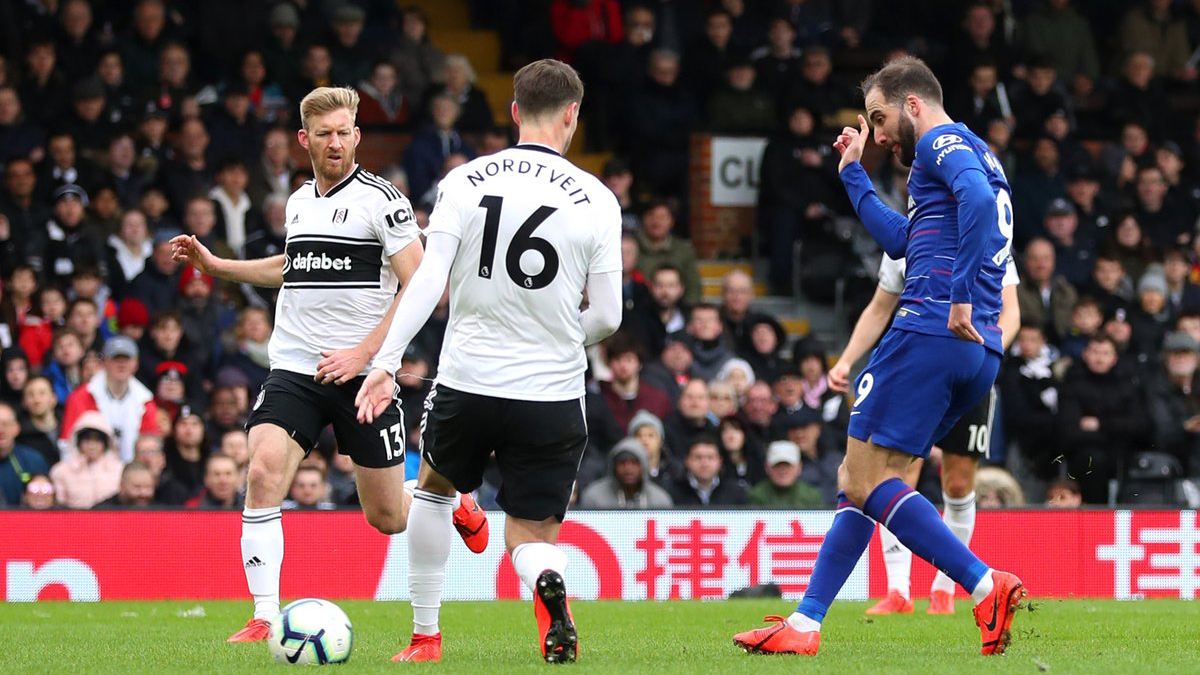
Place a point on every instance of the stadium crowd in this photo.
(126, 378)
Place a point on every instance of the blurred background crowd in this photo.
(126, 378)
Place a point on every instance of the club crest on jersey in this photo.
(339, 216)
(946, 139)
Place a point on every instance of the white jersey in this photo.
(891, 274)
(530, 226)
(338, 281)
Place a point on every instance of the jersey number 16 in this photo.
(521, 242)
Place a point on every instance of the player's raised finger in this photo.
(863, 128)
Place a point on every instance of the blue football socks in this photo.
(843, 546)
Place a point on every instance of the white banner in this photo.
(735, 169)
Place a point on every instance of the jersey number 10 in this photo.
(521, 242)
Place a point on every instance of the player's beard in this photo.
(906, 138)
(334, 173)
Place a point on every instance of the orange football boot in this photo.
(255, 630)
(940, 602)
(894, 603)
(471, 523)
(556, 626)
(422, 648)
(780, 638)
(994, 615)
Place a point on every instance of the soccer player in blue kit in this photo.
(939, 358)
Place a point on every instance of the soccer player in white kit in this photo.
(352, 242)
(520, 235)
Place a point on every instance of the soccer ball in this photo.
(311, 632)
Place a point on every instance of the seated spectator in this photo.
(1110, 285)
(758, 413)
(778, 61)
(1075, 252)
(739, 107)
(475, 113)
(738, 374)
(128, 251)
(249, 355)
(39, 493)
(1030, 394)
(1045, 298)
(1130, 245)
(742, 454)
(226, 412)
(722, 399)
(628, 484)
(782, 487)
(817, 88)
(710, 350)
(83, 319)
(820, 459)
(701, 484)
(1174, 402)
(39, 326)
(91, 471)
(1151, 319)
(578, 24)
(658, 247)
(223, 221)
(1035, 186)
(381, 103)
(132, 319)
(691, 417)
(1087, 320)
(1137, 96)
(14, 366)
(126, 403)
(148, 451)
(426, 154)
(165, 342)
(38, 417)
(737, 292)
(1065, 37)
(1183, 295)
(68, 239)
(157, 286)
(342, 488)
(95, 321)
(1151, 28)
(617, 176)
(1038, 98)
(185, 451)
(136, 490)
(1102, 418)
(979, 103)
(660, 464)
(995, 488)
(418, 62)
(815, 393)
(652, 322)
(657, 121)
(235, 444)
(170, 387)
(766, 338)
(309, 491)
(233, 127)
(627, 394)
(1063, 493)
(18, 463)
(1164, 218)
(64, 368)
(220, 485)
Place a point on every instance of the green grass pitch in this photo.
(1073, 636)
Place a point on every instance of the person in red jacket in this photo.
(576, 22)
(126, 403)
(626, 394)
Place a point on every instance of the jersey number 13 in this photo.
(521, 242)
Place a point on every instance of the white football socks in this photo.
(429, 527)
(897, 560)
(533, 558)
(802, 623)
(959, 516)
(410, 486)
(262, 557)
(983, 588)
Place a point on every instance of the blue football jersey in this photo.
(937, 269)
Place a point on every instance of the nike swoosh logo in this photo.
(991, 625)
(292, 658)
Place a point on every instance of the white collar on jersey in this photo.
(340, 184)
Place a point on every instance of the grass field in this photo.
(681, 637)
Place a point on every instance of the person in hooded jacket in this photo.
(628, 484)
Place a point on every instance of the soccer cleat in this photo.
(471, 523)
(422, 648)
(780, 638)
(556, 626)
(255, 630)
(940, 602)
(894, 603)
(994, 615)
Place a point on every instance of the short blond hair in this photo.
(324, 100)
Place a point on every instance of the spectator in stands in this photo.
(227, 218)
(782, 488)
(1030, 394)
(584, 25)
(722, 398)
(220, 485)
(1165, 221)
(1174, 402)
(1074, 252)
(67, 240)
(236, 444)
(19, 138)
(817, 88)
(673, 369)
(1045, 297)
(310, 491)
(170, 388)
(617, 176)
(1102, 418)
(234, 130)
(742, 456)
(701, 484)
(418, 62)
(39, 493)
(249, 354)
(1110, 285)
(1036, 187)
(652, 322)
(136, 490)
(15, 367)
(1151, 318)
(91, 471)
(281, 50)
(128, 251)
(658, 119)
(425, 156)
(381, 103)
(778, 62)
(758, 413)
(350, 51)
(18, 463)
(475, 112)
(141, 48)
(270, 174)
(661, 464)
(627, 394)
(38, 417)
(1087, 320)
(63, 166)
(1063, 493)
(766, 337)
(707, 60)
(710, 349)
(1183, 295)
(980, 102)
(185, 451)
(820, 460)
(657, 246)
(739, 107)
(691, 417)
(63, 368)
(126, 403)
(997, 489)
(978, 40)
(267, 102)
(198, 312)
(83, 319)
(1152, 29)
(44, 89)
(191, 171)
(25, 213)
(628, 484)
(225, 412)
(815, 394)
(1138, 97)
(167, 342)
(1065, 37)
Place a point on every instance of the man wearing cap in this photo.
(89, 122)
(282, 51)
(1046, 299)
(1174, 402)
(1074, 253)
(628, 484)
(782, 487)
(351, 54)
(67, 241)
(124, 401)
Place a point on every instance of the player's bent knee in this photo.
(957, 486)
(387, 521)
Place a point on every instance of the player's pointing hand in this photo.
(374, 395)
(851, 141)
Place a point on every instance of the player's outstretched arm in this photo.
(264, 272)
(603, 315)
(889, 228)
(867, 329)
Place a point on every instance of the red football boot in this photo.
(255, 630)
(941, 602)
(894, 603)
(994, 615)
(422, 648)
(471, 523)
(780, 638)
(556, 626)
